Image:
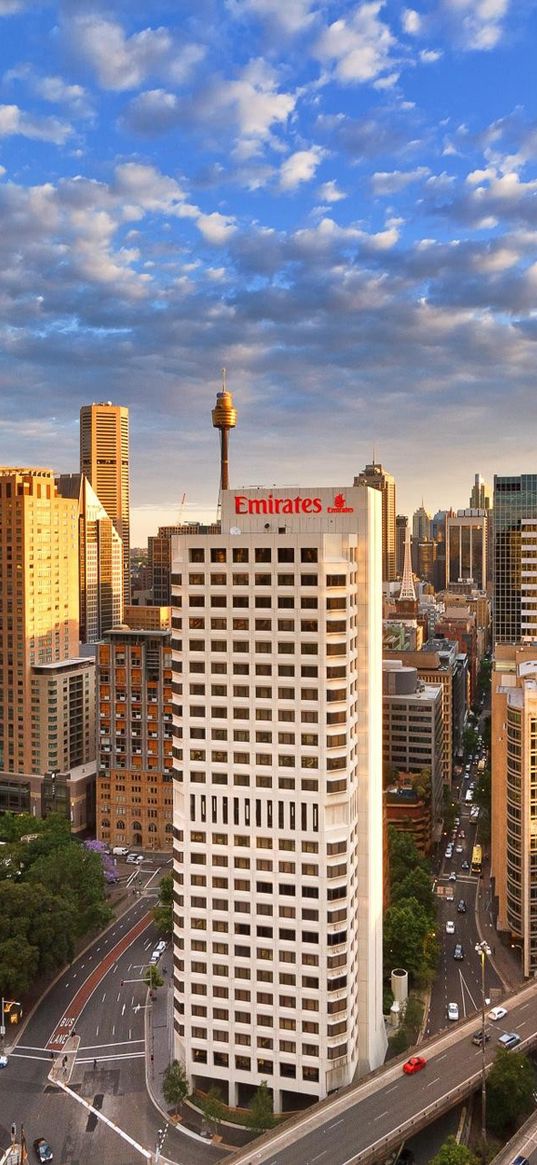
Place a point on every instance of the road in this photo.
(389, 1105)
(102, 998)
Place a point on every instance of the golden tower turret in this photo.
(224, 417)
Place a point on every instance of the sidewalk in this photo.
(504, 958)
(159, 1054)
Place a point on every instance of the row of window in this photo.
(260, 554)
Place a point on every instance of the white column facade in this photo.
(277, 794)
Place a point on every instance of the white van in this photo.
(120, 851)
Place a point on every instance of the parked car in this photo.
(131, 858)
(415, 1064)
(120, 851)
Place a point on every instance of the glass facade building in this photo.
(515, 502)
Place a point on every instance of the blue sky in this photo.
(335, 201)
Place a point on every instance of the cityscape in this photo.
(268, 582)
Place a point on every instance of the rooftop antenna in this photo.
(224, 417)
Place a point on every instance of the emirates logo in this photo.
(339, 506)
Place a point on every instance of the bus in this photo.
(477, 858)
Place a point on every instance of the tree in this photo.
(260, 1114)
(213, 1109)
(163, 913)
(18, 966)
(406, 929)
(452, 1153)
(153, 978)
(470, 740)
(74, 874)
(403, 856)
(416, 884)
(175, 1084)
(510, 1087)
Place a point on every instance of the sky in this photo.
(336, 202)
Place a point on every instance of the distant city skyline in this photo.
(332, 200)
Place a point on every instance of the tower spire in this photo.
(224, 416)
(408, 590)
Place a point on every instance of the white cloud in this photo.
(255, 100)
(216, 228)
(122, 62)
(14, 121)
(51, 88)
(391, 182)
(430, 56)
(329, 192)
(291, 16)
(476, 24)
(360, 46)
(300, 167)
(411, 21)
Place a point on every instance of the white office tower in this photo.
(277, 794)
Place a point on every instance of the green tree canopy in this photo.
(403, 856)
(260, 1114)
(163, 913)
(452, 1153)
(416, 884)
(510, 1087)
(40, 924)
(407, 935)
(175, 1084)
(75, 874)
(213, 1109)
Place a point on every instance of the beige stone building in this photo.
(104, 460)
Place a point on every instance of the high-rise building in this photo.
(376, 476)
(515, 577)
(401, 524)
(413, 730)
(100, 560)
(514, 798)
(421, 525)
(134, 771)
(104, 460)
(277, 794)
(467, 545)
(159, 555)
(38, 598)
(480, 496)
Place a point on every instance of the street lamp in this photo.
(483, 950)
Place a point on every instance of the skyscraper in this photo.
(38, 599)
(480, 496)
(515, 575)
(104, 460)
(100, 560)
(466, 558)
(376, 476)
(277, 793)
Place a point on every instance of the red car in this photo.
(415, 1064)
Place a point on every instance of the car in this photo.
(452, 876)
(43, 1150)
(457, 821)
(131, 858)
(458, 951)
(462, 833)
(450, 897)
(120, 851)
(450, 927)
(497, 1013)
(449, 851)
(453, 1011)
(461, 906)
(415, 1064)
(161, 946)
(518, 1160)
(477, 1037)
(459, 848)
(465, 865)
(3, 1061)
(139, 859)
(509, 1040)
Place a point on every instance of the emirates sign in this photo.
(296, 505)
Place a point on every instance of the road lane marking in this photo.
(431, 1082)
(97, 1031)
(380, 1115)
(103, 998)
(105, 1059)
(439, 1058)
(335, 1123)
(114, 1044)
(319, 1155)
(123, 1009)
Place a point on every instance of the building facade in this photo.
(378, 478)
(413, 729)
(278, 794)
(514, 796)
(104, 461)
(63, 715)
(39, 601)
(515, 506)
(134, 771)
(100, 560)
(467, 549)
(159, 558)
